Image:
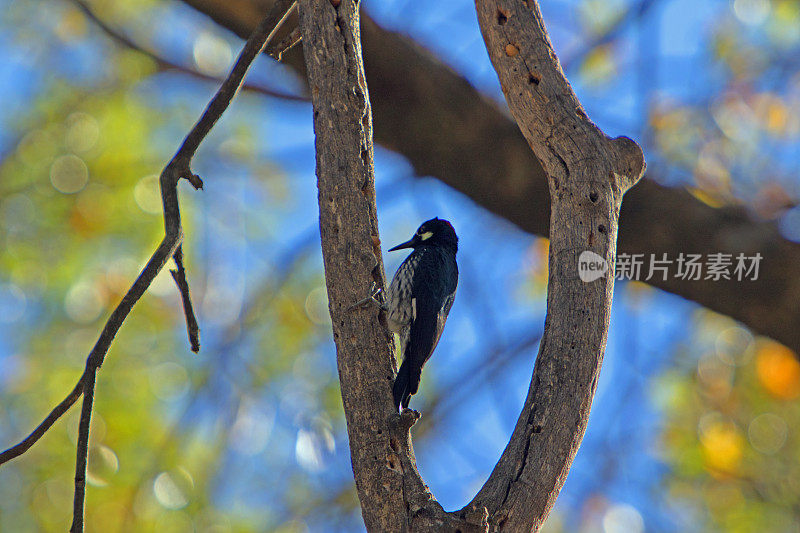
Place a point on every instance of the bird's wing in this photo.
(424, 333)
(442, 317)
(430, 309)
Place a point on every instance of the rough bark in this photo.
(393, 496)
(437, 120)
(588, 175)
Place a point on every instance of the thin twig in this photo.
(83, 452)
(276, 51)
(55, 414)
(168, 64)
(177, 168)
(179, 275)
(255, 43)
(98, 353)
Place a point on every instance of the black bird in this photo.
(420, 297)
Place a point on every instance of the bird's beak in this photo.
(408, 244)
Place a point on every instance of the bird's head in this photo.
(434, 232)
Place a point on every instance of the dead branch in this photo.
(178, 168)
(588, 173)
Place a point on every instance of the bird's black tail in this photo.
(405, 384)
(400, 388)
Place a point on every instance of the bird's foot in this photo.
(408, 417)
(375, 298)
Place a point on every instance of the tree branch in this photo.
(263, 33)
(179, 275)
(287, 43)
(350, 246)
(392, 495)
(447, 129)
(177, 168)
(588, 173)
(41, 429)
(83, 452)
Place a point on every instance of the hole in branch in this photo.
(502, 17)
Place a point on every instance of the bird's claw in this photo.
(375, 298)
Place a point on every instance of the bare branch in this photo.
(392, 494)
(118, 316)
(41, 429)
(588, 173)
(409, 85)
(83, 451)
(177, 168)
(179, 275)
(286, 44)
(351, 251)
(280, 10)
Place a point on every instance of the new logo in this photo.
(591, 266)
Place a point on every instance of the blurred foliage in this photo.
(249, 435)
(731, 431)
(736, 142)
(80, 212)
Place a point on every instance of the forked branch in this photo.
(393, 496)
(588, 173)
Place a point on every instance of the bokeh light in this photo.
(778, 370)
(723, 443)
(84, 302)
(172, 489)
(752, 12)
(212, 55)
(767, 433)
(622, 518)
(83, 132)
(103, 463)
(69, 174)
(147, 194)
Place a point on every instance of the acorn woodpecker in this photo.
(419, 300)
